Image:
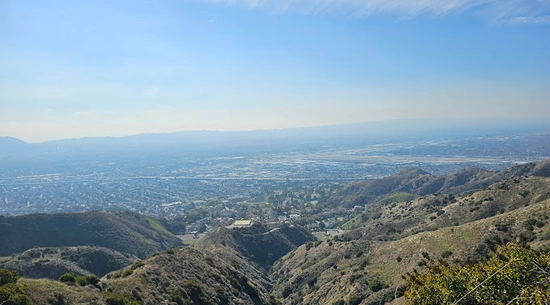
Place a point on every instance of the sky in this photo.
(81, 68)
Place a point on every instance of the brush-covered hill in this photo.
(181, 275)
(418, 182)
(53, 262)
(254, 249)
(366, 265)
(392, 220)
(228, 266)
(369, 272)
(189, 276)
(258, 243)
(126, 232)
(359, 193)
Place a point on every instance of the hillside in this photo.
(191, 275)
(429, 212)
(228, 266)
(53, 262)
(408, 180)
(367, 272)
(364, 266)
(125, 232)
(177, 276)
(259, 243)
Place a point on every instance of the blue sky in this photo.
(92, 68)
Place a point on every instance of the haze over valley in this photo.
(233, 175)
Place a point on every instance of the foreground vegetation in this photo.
(12, 292)
(514, 274)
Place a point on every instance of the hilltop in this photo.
(258, 243)
(189, 275)
(10, 145)
(53, 262)
(180, 275)
(254, 249)
(125, 232)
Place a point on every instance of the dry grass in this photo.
(42, 292)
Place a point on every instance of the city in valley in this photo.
(263, 177)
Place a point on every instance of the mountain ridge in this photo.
(419, 182)
(126, 232)
(53, 262)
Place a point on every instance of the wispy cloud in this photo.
(499, 11)
(525, 20)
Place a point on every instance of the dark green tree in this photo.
(11, 292)
(7, 277)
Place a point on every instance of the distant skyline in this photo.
(95, 68)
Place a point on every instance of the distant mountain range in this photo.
(339, 135)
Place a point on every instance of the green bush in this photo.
(355, 300)
(287, 291)
(67, 278)
(81, 280)
(92, 279)
(112, 298)
(137, 265)
(12, 293)
(354, 277)
(377, 285)
(175, 295)
(127, 272)
(446, 254)
(59, 299)
(527, 236)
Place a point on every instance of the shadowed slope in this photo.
(123, 231)
(53, 262)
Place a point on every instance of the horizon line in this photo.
(494, 122)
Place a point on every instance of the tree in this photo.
(11, 292)
(7, 277)
(513, 274)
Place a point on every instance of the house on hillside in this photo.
(295, 217)
(241, 224)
